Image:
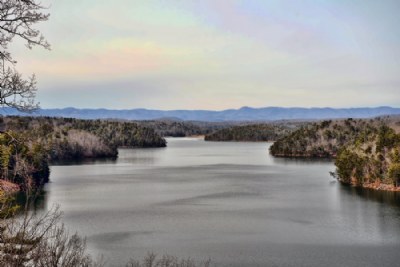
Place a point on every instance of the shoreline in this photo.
(375, 186)
(239, 141)
(302, 156)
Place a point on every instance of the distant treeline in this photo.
(174, 128)
(29, 144)
(366, 151)
(252, 133)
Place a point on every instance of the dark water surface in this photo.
(231, 202)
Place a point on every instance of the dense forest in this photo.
(29, 144)
(253, 133)
(324, 139)
(372, 160)
(69, 138)
(366, 151)
(24, 163)
(176, 128)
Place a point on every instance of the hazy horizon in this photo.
(216, 55)
(242, 107)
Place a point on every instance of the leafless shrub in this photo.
(151, 260)
(41, 240)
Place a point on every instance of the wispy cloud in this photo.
(218, 54)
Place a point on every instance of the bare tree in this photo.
(34, 240)
(17, 18)
(151, 260)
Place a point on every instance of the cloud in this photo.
(217, 54)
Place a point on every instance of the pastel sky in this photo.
(217, 54)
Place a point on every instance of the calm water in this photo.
(231, 202)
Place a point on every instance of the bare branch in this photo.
(17, 18)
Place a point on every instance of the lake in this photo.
(230, 202)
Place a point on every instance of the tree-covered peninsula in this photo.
(29, 144)
(373, 162)
(324, 139)
(366, 152)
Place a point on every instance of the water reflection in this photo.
(87, 161)
(36, 202)
(231, 202)
(148, 156)
(301, 161)
(383, 197)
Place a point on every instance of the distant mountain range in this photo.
(242, 114)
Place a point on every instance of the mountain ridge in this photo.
(242, 114)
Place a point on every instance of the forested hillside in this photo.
(27, 144)
(175, 128)
(366, 152)
(373, 161)
(68, 138)
(253, 133)
(24, 162)
(324, 139)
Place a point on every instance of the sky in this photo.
(216, 54)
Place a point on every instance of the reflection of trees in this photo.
(384, 197)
